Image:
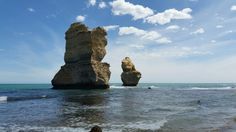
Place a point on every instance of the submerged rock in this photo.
(83, 68)
(96, 129)
(130, 76)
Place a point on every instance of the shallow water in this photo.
(164, 108)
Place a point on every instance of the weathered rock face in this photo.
(84, 52)
(130, 76)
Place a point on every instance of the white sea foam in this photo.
(152, 86)
(114, 86)
(3, 98)
(96, 107)
(121, 87)
(143, 125)
(213, 88)
(133, 126)
(147, 125)
(16, 128)
(44, 96)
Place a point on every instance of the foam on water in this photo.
(121, 87)
(3, 98)
(152, 86)
(15, 128)
(154, 126)
(216, 88)
(23, 98)
(132, 126)
(96, 107)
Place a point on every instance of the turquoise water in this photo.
(163, 108)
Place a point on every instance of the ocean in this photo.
(149, 107)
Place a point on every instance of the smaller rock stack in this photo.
(130, 76)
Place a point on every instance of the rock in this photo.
(130, 76)
(199, 102)
(83, 68)
(96, 129)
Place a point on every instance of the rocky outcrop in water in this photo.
(96, 129)
(83, 68)
(130, 76)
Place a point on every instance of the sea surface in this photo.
(149, 107)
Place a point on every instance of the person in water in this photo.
(199, 102)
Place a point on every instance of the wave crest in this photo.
(3, 98)
(215, 88)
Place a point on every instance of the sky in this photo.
(169, 41)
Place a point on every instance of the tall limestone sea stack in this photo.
(83, 68)
(130, 76)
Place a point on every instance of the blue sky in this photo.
(168, 40)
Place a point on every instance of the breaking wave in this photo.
(134, 126)
(3, 98)
(145, 126)
(214, 88)
(121, 87)
(10, 99)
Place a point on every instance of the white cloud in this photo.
(164, 40)
(168, 15)
(80, 18)
(31, 9)
(173, 27)
(178, 52)
(146, 35)
(229, 31)
(199, 31)
(110, 27)
(184, 28)
(219, 26)
(121, 7)
(151, 35)
(102, 5)
(233, 8)
(91, 2)
(213, 41)
(137, 46)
